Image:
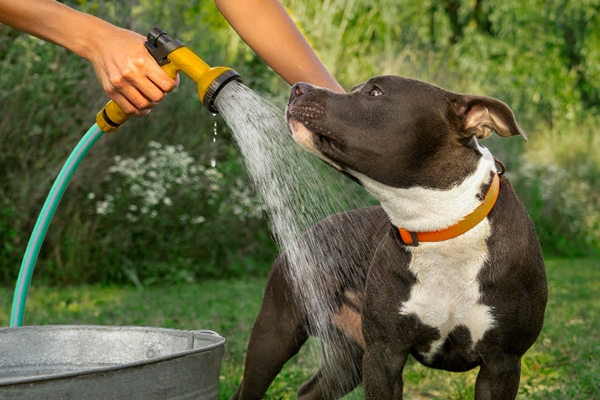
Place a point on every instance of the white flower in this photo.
(149, 180)
(198, 220)
(104, 207)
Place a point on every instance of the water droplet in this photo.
(213, 160)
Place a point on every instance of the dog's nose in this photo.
(299, 89)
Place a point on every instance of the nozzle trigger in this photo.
(160, 45)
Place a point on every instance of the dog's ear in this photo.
(483, 115)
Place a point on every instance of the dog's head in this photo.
(398, 131)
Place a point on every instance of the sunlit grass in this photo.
(563, 364)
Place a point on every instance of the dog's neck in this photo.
(420, 209)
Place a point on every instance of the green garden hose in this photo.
(43, 221)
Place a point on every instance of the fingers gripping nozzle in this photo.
(173, 56)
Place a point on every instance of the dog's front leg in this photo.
(382, 372)
(278, 334)
(498, 380)
(388, 337)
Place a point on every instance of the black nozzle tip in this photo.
(215, 87)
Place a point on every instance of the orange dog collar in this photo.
(464, 225)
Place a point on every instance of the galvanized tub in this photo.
(104, 362)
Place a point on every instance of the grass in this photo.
(563, 364)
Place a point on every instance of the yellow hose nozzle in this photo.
(209, 80)
(173, 56)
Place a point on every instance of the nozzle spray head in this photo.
(173, 56)
(209, 95)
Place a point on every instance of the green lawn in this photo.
(563, 364)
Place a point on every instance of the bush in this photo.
(559, 181)
(547, 72)
(165, 209)
(563, 202)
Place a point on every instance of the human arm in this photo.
(268, 29)
(127, 72)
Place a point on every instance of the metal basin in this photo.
(103, 362)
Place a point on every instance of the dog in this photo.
(447, 269)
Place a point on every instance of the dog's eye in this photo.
(375, 92)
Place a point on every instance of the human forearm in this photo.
(54, 22)
(128, 74)
(268, 29)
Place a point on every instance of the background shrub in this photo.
(540, 57)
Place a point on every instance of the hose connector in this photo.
(111, 117)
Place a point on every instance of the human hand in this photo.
(128, 73)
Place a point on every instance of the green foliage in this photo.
(7, 238)
(564, 201)
(55, 99)
(559, 181)
(540, 57)
(166, 217)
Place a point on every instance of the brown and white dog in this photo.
(448, 269)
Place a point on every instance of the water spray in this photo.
(173, 56)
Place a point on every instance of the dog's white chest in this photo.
(447, 292)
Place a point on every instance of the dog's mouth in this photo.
(321, 139)
(314, 129)
(308, 129)
(320, 143)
